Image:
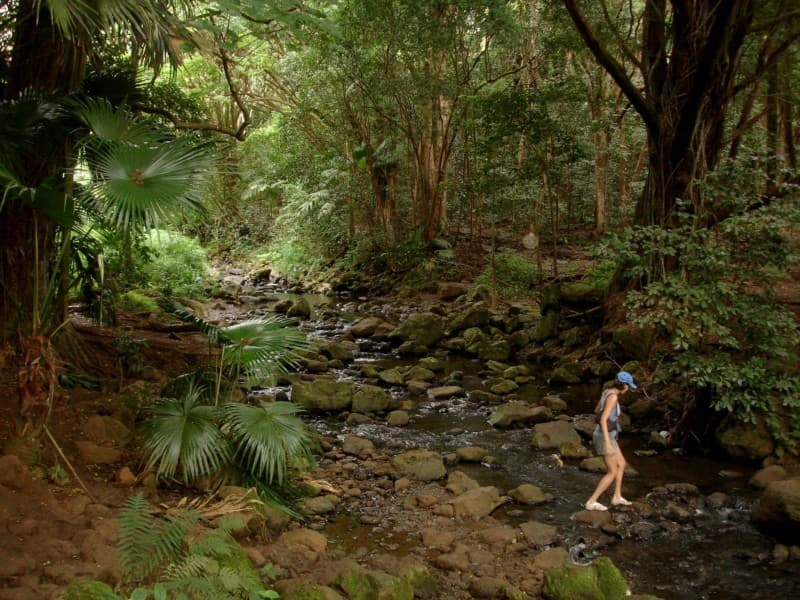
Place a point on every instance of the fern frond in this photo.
(136, 537)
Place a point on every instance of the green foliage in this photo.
(129, 352)
(177, 265)
(510, 276)
(709, 291)
(185, 555)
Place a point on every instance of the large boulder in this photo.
(422, 329)
(324, 394)
(476, 315)
(778, 510)
(632, 342)
(553, 434)
(746, 440)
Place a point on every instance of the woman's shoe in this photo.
(595, 506)
(620, 502)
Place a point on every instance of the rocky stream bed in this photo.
(454, 461)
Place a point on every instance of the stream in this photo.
(714, 554)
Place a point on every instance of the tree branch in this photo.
(190, 125)
(610, 64)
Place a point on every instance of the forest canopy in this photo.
(369, 138)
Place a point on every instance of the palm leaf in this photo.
(147, 184)
(262, 347)
(183, 435)
(267, 438)
(109, 124)
(147, 21)
(214, 333)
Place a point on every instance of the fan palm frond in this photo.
(110, 124)
(214, 333)
(148, 184)
(182, 435)
(262, 347)
(267, 438)
(147, 21)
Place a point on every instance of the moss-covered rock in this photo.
(424, 329)
(632, 342)
(323, 394)
(370, 399)
(746, 440)
(599, 581)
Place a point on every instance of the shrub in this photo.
(510, 276)
(178, 265)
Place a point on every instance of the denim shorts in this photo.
(600, 443)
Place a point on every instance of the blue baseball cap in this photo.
(626, 378)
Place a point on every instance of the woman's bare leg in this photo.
(607, 479)
(619, 474)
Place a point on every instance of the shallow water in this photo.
(718, 555)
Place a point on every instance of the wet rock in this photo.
(767, 475)
(418, 388)
(398, 418)
(357, 446)
(370, 399)
(437, 539)
(300, 308)
(593, 518)
(584, 425)
(778, 509)
(476, 315)
(567, 372)
(422, 465)
(553, 434)
(446, 391)
(529, 494)
(504, 387)
(319, 505)
(454, 561)
(539, 534)
(297, 550)
(643, 530)
(357, 419)
(632, 342)
(574, 450)
(746, 440)
(554, 403)
(601, 580)
(450, 290)
(515, 412)
(658, 439)
(419, 373)
(501, 535)
(323, 394)
(459, 482)
(477, 503)
(471, 453)
(392, 376)
(487, 587)
(366, 327)
(343, 350)
(718, 500)
(423, 329)
(551, 559)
